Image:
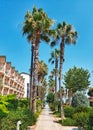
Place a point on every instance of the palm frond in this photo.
(53, 43)
(45, 38)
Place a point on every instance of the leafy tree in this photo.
(79, 99)
(76, 79)
(65, 35)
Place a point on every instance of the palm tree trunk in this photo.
(31, 76)
(35, 78)
(56, 67)
(60, 76)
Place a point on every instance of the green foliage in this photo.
(50, 98)
(39, 105)
(79, 99)
(77, 79)
(69, 111)
(25, 116)
(81, 119)
(91, 119)
(82, 109)
(3, 111)
(69, 122)
(23, 103)
(13, 110)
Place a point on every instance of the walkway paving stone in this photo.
(47, 121)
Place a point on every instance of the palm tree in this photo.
(43, 89)
(54, 60)
(27, 27)
(51, 84)
(67, 35)
(38, 26)
(42, 72)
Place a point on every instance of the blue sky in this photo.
(15, 47)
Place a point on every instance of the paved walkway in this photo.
(47, 121)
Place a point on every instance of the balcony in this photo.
(7, 73)
(1, 68)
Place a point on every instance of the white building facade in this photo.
(27, 84)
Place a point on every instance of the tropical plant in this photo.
(54, 60)
(67, 35)
(51, 84)
(42, 83)
(37, 25)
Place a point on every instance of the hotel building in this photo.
(11, 82)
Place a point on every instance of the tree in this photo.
(37, 25)
(28, 30)
(50, 98)
(42, 72)
(43, 89)
(67, 35)
(51, 84)
(54, 60)
(76, 79)
(79, 99)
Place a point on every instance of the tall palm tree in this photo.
(38, 26)
(27, 27)
(67, 35)
(42, 72)
(51, 84)
(54, 60)
(43, 89)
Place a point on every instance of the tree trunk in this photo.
(56, 67)
(35, 78)
(31, 76)
(60, 75)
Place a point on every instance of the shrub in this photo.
(39, 105)
(25, 116)
(68, 111)
(69, 122)
(81, 119)
(82, 109)
(79, 99)
(91, 119)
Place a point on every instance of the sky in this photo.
(16, 48)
